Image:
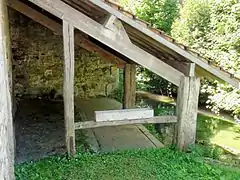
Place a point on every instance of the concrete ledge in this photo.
(123, 114)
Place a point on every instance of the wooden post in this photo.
(68, 86)
(6, 124)
(187, 106)
(129, 86)
(133, 85)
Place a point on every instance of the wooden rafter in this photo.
(200, 62)
(80, 39)
(104, 35)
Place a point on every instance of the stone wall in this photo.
(38, 62)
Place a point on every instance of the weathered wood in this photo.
(57, 29)
(129, 86)
(187, 108)
(104, 35)
(126, 114)
(116, 26)
(156, 119)
(192, 69)
(68, 86)
(133, 85)
(178, 50)
(6, 123)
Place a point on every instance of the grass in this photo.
(141, 164)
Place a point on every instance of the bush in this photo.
(213, 29)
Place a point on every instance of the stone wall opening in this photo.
(38, 83)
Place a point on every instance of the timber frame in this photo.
(118, 36)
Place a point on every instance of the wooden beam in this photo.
(116, 26)
(80, 39)
(187, 108)
(157, 119)
(173, 47)
(104, 35)
(68, 86)
(6, 122)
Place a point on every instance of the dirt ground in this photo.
(39, 129)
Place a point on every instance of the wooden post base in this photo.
(187, 106)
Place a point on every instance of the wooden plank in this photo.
(6, 123)
(57, 29)
(104, 35)
(187, 108)
(68, 86)
(198, 60)
(94, 124)
(127, 87)
(123, 114)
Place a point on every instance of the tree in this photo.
(212, 27)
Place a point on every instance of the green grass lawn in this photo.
(145, 164)
(142, 164)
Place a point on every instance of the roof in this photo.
(144, 36)
(154, 40)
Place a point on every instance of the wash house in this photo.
(106, 29)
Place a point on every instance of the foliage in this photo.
(151, 82)
(213, 29)
(136, 164)
(212, 133)
(160, 14)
